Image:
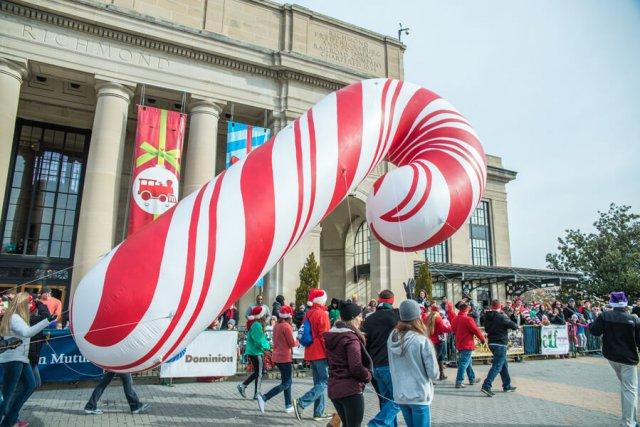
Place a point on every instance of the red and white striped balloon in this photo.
(156, 291)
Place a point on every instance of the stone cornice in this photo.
(93, 29)
(500, 174)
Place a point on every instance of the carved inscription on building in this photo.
(344, 49)
(94, 47)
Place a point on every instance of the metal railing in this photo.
(532, 343)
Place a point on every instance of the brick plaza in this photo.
(569, 392)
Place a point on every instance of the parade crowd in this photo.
(398, 349)
(401, 351)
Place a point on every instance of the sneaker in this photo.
(511, 388)
(323, 417)
(261, 402)
(141, 409)
(93, 411)
(460, 385)
(22, 423)
(475, 381)
(241, 388)
(289, 409)
(487, 392)
(297, 409)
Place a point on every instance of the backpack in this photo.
(305, 335)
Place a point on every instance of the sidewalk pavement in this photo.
(567, 392)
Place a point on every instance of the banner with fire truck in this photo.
(242, 138)
(156, 164)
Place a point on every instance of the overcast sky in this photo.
(552, 87)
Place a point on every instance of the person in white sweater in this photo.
(15, 362)
(413, 366)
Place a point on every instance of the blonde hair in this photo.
(416, 325)
(431, 322)
(19, 306)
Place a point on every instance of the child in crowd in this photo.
(334, 312)
(574, 325)
(577, 332)
(257, 344)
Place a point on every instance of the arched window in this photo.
(362, 247)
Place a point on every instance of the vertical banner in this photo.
(554, 339)
(242, 138)
(156, 169)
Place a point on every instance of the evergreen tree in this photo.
(424, 281)
(309, 278)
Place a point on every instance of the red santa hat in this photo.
(258, 312)
(285, 312)
(317, 296)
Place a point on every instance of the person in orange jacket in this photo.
(465, 328)
(315, 353)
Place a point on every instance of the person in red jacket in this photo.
(316, 355)
(436, 328)
(283, 343)
(465, 328)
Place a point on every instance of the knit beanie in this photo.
(349, 311)
(409, 310)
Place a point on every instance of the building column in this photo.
(98, 212)
(200, 160)
(379, 267)
(12, 73)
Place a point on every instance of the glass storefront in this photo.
(42, 203)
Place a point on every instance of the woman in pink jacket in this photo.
(283, 343)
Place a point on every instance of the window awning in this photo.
(517, 279)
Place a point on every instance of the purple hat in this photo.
(618, 300)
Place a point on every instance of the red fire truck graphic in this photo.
(154, 189)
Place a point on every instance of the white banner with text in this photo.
(554, 339)
(211, 354)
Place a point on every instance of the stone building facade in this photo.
(71, 73)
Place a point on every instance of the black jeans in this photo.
(256, 375)
(350, 410)
(285, 384)
(127, 384)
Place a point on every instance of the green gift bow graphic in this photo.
(160, 153)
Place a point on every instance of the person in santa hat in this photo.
(620, 333)
(283, 344)
(316, 355)
(257, 344)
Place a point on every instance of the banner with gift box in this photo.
(156, 169)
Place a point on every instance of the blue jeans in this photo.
(17, 386)
(285, 384)
(320, 372)
(465, 365)
(388, 408)
(499, 366)
(127, 384)
(416, 415)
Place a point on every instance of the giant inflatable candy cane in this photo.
(155, 292)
